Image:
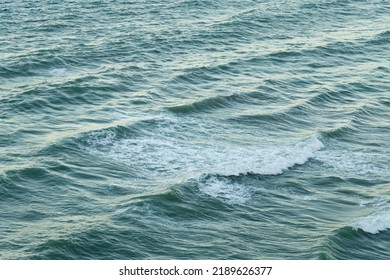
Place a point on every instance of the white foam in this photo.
(58, 72)
(225, 190)
(379, 202)
(378, 206)
(164, 156)
(304, 197)
(362, 164)
(373, 223)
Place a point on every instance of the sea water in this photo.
(194, 129)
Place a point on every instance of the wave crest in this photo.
(375, 222)
(163, 156)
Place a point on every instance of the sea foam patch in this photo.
(224, 190)
(58, 72)
(379, 217)
(361, 164)
(373, 223)
(166, 156)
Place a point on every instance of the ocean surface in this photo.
(194, 129)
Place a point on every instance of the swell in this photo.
(28, 179)
(364, 125)
(347, 243)
(380, 39)
(339, 133)
(294, 117)
(35, 62)
(327, 55)
(346, 102)
(252, 26)
(177, 207)
(82, 91)
(213, 103)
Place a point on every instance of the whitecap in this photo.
(378, 218)
(361, 164)
(225, 190)
(168, 156)
(373, 223)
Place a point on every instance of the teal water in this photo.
(177, 129)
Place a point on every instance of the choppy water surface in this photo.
(200, 129)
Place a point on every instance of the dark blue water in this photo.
(194, 129)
